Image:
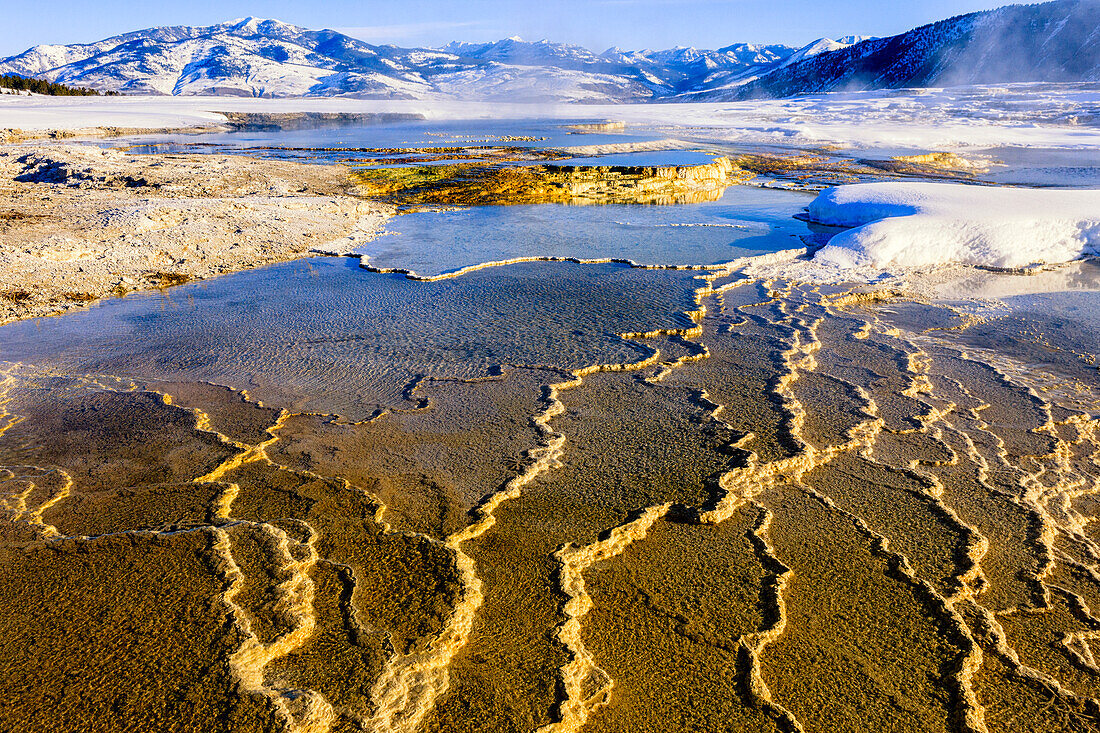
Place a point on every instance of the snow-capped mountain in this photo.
(253, 57)
(1053, 42)
(1056, 41)
(247, 57)
(820, 46)
(719, 84)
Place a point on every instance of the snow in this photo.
(226, 58)
(508, 82)
(920, 225)
(820, 46)
(263, 57)
(963, 118)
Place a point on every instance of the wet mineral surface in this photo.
(509, 494)
(721, 504)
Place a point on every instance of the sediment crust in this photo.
(591, 127)
(1027, 449)
(494, 185)
(233, 121)
(962, 430)
(10, 135)
(78, 222)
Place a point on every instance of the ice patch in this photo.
(914, 225)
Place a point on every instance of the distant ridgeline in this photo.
(1049, 42)
(41, 86)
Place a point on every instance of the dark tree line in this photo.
(41, 86)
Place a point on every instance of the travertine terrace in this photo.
(78, 222)
(796, 491)
(488, 185)
(536, 494)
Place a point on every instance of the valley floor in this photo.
(1028, 115)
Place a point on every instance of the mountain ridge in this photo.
(1043, 42)
(1054, 41)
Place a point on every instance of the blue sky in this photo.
(597, 24)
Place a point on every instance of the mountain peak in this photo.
(1047, 42)
(265, 57)
(252, 24)
(249, 23)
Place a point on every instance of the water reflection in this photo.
(744, 221)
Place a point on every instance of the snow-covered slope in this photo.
(522, 84)
(903, 225)
(252, 57)
(247, 57)
(1057, 41)
(722, 84)
(820, 46)
(1053, 42)
(663, 72)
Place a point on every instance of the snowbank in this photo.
(1024, 115)
(910, 225)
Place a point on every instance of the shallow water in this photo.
(325, 144)
(745, 222)
(1044, 167)
(327, 336)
